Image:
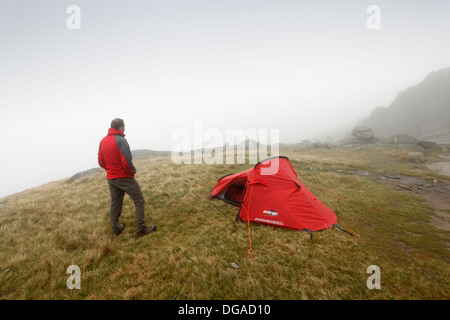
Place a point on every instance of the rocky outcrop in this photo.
(363, 134)
(86, 173)
(363, 139)
(429, 145)
(422, 111)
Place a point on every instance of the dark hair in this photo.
(117, 123)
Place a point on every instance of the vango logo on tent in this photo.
(270, 212)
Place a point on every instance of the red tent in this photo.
(271, 193)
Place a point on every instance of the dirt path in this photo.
(436, 196)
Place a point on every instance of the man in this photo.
(114, 156)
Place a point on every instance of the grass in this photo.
(47, 229)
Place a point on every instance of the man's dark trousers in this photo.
(117, 190)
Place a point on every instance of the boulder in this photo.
(429, 145)
(234, 265)
(363, 134)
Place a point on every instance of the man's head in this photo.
(118, 124)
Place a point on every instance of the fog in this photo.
(303, 67)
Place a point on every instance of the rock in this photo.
(442, 168)
(392, 177)
(234, 265)
(429, 145)
(443, 157)
(401, 138)
(441, 136)
(404, 186)
(421, 110)
(86, 173)
(363, 134)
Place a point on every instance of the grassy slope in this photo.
(45, 230)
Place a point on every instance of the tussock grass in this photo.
(46, 229)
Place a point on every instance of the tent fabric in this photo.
(271, 193)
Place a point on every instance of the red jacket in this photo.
(114, 156)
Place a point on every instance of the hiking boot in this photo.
(147, 230)
(119, 229)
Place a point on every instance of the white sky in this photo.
(303, 67)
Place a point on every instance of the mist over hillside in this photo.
(422, 110)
